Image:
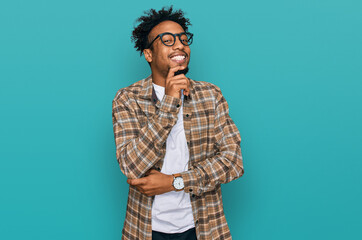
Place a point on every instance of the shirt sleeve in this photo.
(227, 164)
(139, 148)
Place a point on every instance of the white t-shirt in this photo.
(172, 211)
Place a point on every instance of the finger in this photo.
(181, 79)
(174, 81)
(153, 171)
(171, 71)
(148, 172)
(180, 86)
(140, 189)
(138, 181)
(149, 194)
(180, 76)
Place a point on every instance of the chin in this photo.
(184, 71)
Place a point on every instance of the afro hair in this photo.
(151, 19)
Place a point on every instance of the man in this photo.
(175, 140)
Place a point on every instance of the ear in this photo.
(148, 55)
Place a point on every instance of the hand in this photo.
(154, 183)
(174, 84)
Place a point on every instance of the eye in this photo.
(184, 38)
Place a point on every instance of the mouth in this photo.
(178, 58)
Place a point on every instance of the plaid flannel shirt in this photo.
(141, 124)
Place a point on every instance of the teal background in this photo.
(290, 71)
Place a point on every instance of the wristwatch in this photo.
(178, 182)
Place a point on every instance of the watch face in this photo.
(178, 183)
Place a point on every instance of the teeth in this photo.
(179, 57)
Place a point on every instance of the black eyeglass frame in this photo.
(188, 34)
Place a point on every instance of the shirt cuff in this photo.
(170, 104)
(191, 182)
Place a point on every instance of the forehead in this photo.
(166, 26)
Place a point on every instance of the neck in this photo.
(158, 79)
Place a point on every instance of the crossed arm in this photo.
(140, 148)
(154, 183)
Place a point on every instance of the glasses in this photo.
(169, 39)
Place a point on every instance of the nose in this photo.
(178, 44)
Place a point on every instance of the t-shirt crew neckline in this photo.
(161, 90)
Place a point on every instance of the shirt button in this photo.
(154, 100)
(190, 190)
(178, 105)
(193, 195)
(187, 115)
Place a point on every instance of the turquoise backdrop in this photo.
(291, 71)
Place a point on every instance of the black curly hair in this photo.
(151, 19)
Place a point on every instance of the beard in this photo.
(183, 71)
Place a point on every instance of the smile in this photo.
(178, 58)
